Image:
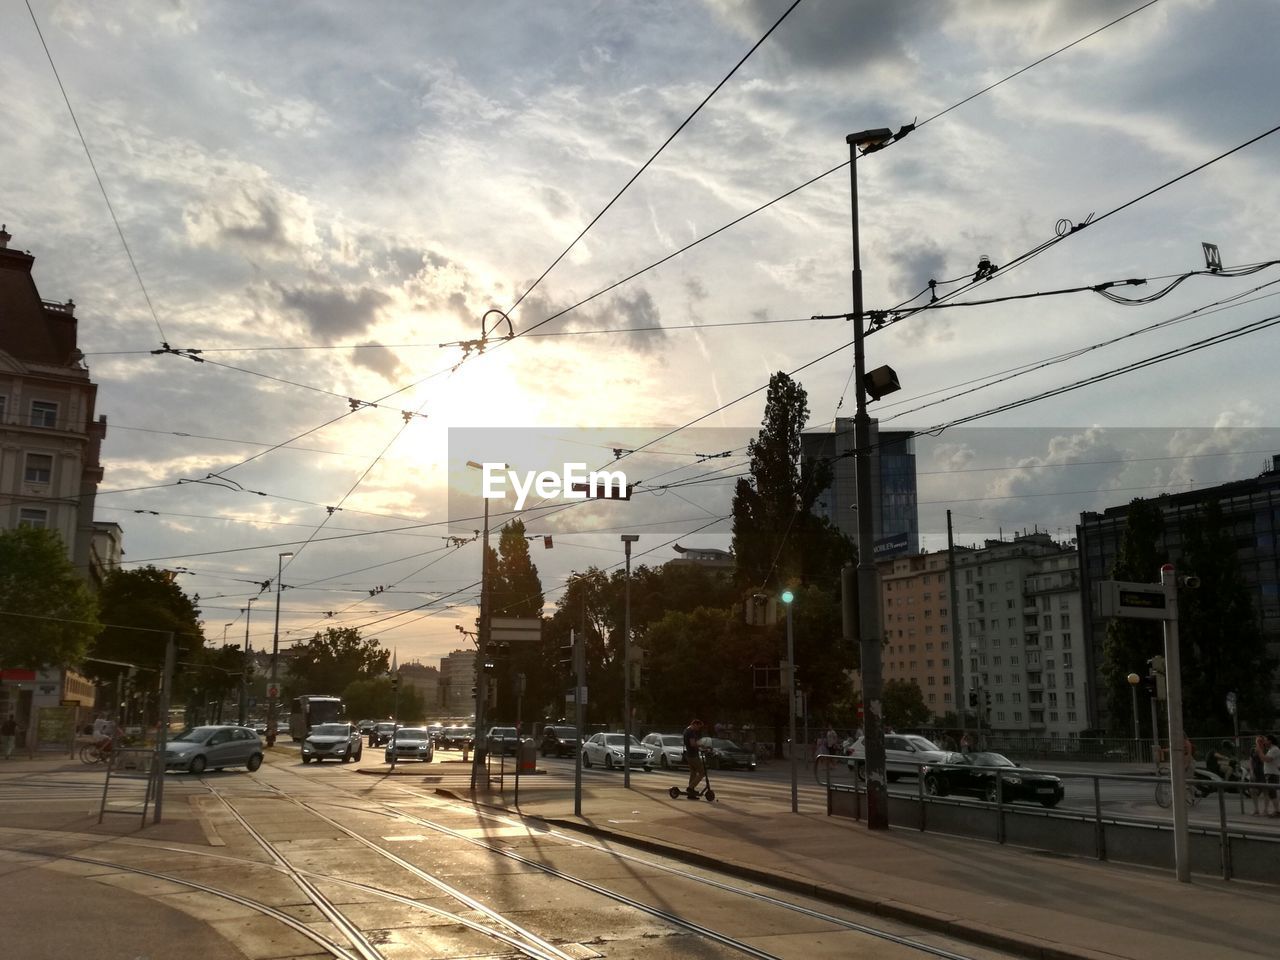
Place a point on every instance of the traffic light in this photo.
(1157, 672)
(973, 698)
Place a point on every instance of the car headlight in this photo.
(1013, 780)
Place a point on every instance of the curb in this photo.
(969, 931)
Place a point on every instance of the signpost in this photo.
(1159, 601)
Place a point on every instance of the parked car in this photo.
(455, 738)
(558, 741)
(410, 743)
(962, 773)
(333, 741)
(666, 750)
(200, 748)
(364, 726)
(502, 740)
(903, 754)
(607, 749)
(434, 730)
(258, 726)
(381, 733)
(723, 754)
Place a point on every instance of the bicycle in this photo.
(97, 752)
(1164, 790)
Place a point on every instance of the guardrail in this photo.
(1233, 852)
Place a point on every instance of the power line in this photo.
(97, 176)
(645, 166)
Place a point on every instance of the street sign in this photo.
(515, 629)
(1231, 703)
(1138, 601)
(273, 691)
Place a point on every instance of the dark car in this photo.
(332, 741)
(502, 741)
(723, 754)
(381, 733)
(558, 741)
(975, 774)
(455, 738)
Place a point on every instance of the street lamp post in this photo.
(478, 773)
(244, 666)
(1134, 680)
(275, 654)
(787, 597)
(868, 606)
(627, 540)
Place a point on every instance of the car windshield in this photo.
(386, 726)
(502, 732)
(195, 735)
(411, 733)
(720, 744)
(330, 730)
(991, 760)
(920, 743)
(618, 739)
(673, 741)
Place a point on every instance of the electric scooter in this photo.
(706, 793)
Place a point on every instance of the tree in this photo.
(139, 607)
(1222, 644)
(822, 656)
(515, 590)
(374, 697)
(904, 704)
(776, 538)
(329, 661)
(1129, 644)
(36, 578)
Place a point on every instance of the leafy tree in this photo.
(37, 578)
(210, 677)
(1222, 645)
(776, 538)
(374, 697)
(136, 605)
(515, 590)
(822, 657)
(903, 704)
(1129, 644)
(331, 660)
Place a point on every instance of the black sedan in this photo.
(723, 754)
(975, 774)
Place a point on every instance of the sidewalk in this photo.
(1003, 897)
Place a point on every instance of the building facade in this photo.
(1251, 510)
(425, 682)
(1023, 635)
(457, 681)
(896, 523)
(915, 610)
(50, 467)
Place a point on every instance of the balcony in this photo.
(1036, 723)
(1029, 609)
(1031, 627)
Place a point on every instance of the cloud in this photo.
(334, 312)
(376, 357)
(253, 215)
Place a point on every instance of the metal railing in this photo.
(1240, 851)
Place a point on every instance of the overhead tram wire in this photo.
(821, 176)
(645, 166)
(96, 175)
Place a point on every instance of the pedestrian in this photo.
(1188, 756)
(8, 734)
(966, 743)
(832, 744)
(1257, 773)
(1271, 770)
(693, 756)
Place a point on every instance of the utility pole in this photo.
(580, 688)
(1177, 770)
(162, 733)
(479, 773)
(273, 694)
(787, 598)
(245, 662)
(957, 643)
(627, 540)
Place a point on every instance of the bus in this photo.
(311, 710)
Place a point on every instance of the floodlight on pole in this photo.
(627, 540)
(787, 598)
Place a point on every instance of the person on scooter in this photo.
(693, 756)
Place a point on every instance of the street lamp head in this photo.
(287, 553)
(787, 596)
(1133, 679)
(630, 537)
(868, 140)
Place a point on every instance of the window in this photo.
(44, 413)
(933, 698)
(931, 681)
(1068, 679)
(1064, 620)
(1053, 716)
(1000, 715)
(1015, 660)
(1047, 622)
(3, 405)
(33, 517)
(1071, 716)
(39, 468)
(1066, 660)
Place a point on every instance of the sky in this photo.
(326, 199)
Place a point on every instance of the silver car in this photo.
(200, 748)
(666, 750)
(606, 749)
(410, 743)
(338, 741)
(903, 755)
